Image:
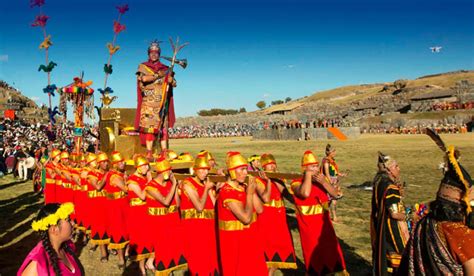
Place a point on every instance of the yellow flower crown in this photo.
(62, 213)
(454, 162)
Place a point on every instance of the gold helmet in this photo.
(91, 157)
(235, 160)
(208, 155)
(253, 158)
(186, 156)
(140, 160)
(55, 153)
(64, 155)
(73, 157)
(267, 159)
(116, 157)
(308, 159)
(101, 157)
(201, 162)
(163, 166)
(81, 157)
(171, 155)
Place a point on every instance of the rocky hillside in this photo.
(25, 108)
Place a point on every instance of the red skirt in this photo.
(201, 247)
(49, 193)
(68, 193)
(241, 253)
(60, 193)
(117, 222)
(99, 221)
(167, 242)
(321, 249)
(139, 232)
(276, 238)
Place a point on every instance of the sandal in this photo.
(93, 248)
(113, 252)
(121, 266)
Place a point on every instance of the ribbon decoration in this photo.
(112, 49)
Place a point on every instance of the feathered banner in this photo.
(40, 21)
(112, 49)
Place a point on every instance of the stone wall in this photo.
(300, 133)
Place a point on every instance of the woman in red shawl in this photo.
(155, 109)
(197, 196)
(321, 250)
(240, 250)
(274, 233)
(164, 220)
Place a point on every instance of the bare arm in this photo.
(469, 267)
(264, 191)
(165, 200)
(192, 194)
(257, 203)
(136, 189)
(119, 182)
(30, 269)
(304, 190)
(244, 214)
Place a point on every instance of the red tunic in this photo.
(116, 211)
(98, 211)
(239, 249)
(138, 222)
(50, 186)
(165, 231)
(67, 193)
(274, 233)
(321, 250)
(199, 232)
(83, 201)
(75, 191)
(59, 184)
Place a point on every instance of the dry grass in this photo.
(417, 155)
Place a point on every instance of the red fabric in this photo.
(321, 249)
(274, 234)
(49, 188)
(167, 231)
(199, 235)
(240, 251)
(116, 214)
(59, 187)
(98, 215)
(137, 221)
(85, 207)
(10, 113)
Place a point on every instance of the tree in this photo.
(288, 99)
(261, 104)
(277, 102)
(242, 110)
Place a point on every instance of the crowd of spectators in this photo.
(22, 144)
(420, 129)
(452, 106)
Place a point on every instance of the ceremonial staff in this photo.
(166, 97)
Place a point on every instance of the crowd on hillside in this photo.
(452, 106)
(420, 129)
(22, 144)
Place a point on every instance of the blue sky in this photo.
(240, 52)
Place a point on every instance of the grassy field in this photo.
(417, 155)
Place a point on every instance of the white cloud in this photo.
(266, 95)
(290, 66)
(3, 58)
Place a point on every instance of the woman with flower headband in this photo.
(54, 254)
(321, 250)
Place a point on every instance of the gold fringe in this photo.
(140, 257)
(100, 242)
(118, 245)
(455, 164)
(169, 270)
(282, 265)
